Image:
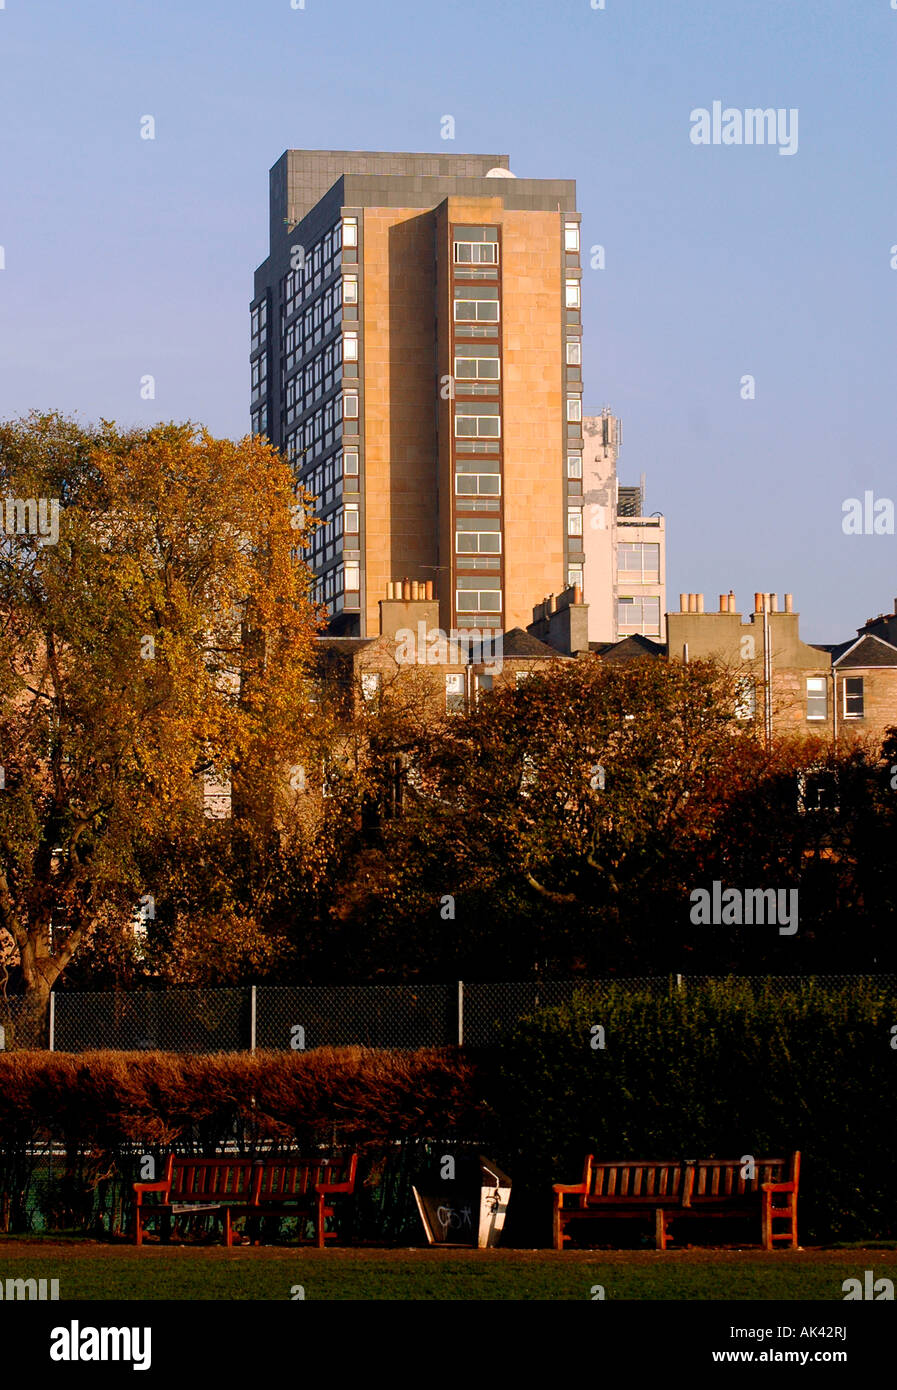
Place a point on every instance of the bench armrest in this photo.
(324, 1188)
(779, 1186)
(559, 1188)
(141, 1187)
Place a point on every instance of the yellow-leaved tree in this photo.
(156, 636)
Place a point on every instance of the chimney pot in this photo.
(577, 593)
(724, 603)
(773, 603)
(758, 602)
(683, 603)
(700, 602)
(789, 603)
(731, 600)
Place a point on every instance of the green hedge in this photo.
(718, 1070)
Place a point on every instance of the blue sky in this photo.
(125, 256)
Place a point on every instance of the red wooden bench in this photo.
(246, 1187)
(718, 1189)
(672, 1189)
(191, 1185)
(297, 1186)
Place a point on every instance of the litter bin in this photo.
(467, 1208)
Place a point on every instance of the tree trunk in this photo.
(32, 1026)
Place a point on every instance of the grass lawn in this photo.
(89, 1270)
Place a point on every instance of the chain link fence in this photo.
(277, 1018)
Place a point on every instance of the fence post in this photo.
(252, 1016)
(52, 1021)
(460, 1013)
(679, 984)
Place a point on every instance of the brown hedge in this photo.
(107, 1101)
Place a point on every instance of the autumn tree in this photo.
(160, 640)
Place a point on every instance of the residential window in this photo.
(471, 598)
(817, 697)
(574, 407)
(350, 289)
(478, 484)
(477, 426)
(350, 463)
(370, 685)
(641, 560)
(639, 615)
(477, 535)
(350, 406)
(350, 231)
(484, 685)
(745, 698)
(352, 578)
(351, 519)
(574, 353)
(817, 790)
(259, 323)
(571, 236)
(574, 575)
(260, 374)
(350, 347)
(572, 296)
(574, 465)
(853, 697)
(454, 693)
(521, 677)
(574, 521)
(476, 304)
(476, 253)
(476, 368)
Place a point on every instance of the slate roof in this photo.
(627, 648)
(518, 643)
(865, 651)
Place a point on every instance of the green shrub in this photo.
(717, 1070)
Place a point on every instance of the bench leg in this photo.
(138, 1229)
(558, 1228)
(228, 1230)
(660, 1228)
(319, 1222)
